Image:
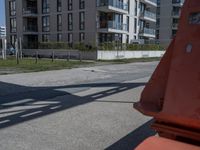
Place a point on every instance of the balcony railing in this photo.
(148, 31)
(29, 10)
(112, 25)
(175, 25)
(114, 3)
(30, 28)
(176, 13)
(149, 14)
(117, 26)
(152, 1)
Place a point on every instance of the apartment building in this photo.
(168, 14)
(73, 21)
(2, 31)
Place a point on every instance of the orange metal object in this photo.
(157, 143)
(172, 96)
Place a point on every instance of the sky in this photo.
(2, 13)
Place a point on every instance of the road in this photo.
(77, 109)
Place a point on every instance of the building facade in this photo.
(168, 14)
(2, 31)
(73, 21)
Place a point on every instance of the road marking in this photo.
(31, 114)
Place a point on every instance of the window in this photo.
(70, 39)
(59, 5)
(59, 22)
(70, 22)
(70, 5)
(13, 25)
(12, 7)
(45, 6)
(81, 20)
(59, 37)
(81, 37)
(45, 38)
(12, 40)
(45, 24)
(81, 4)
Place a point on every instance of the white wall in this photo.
(111, 55)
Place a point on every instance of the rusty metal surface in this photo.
(173, 93)
(157, 143)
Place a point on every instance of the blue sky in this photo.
(2, 13)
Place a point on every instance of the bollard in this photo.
(36, 57)
(68, 55)
(53, 56)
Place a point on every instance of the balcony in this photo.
(178, 2)
(148, 32)
(112, 6)
(147, 15)
(175, 26)
(30, 29)
(112, 27)
(176, 14)
(30, 11)
(150, 2)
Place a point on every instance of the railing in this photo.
(117, 26)
(30, 28)
(113, 3)
(30, 10)
(175, 25)
(148, 31)
(153, 1)
(149, 14)
(176, 13)
(178, 1)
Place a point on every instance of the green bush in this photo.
(53, 45)
(84, 47)
(131, 47)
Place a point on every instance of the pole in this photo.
(36, 57)
(20, 47)
(17, 51)
(3, 49)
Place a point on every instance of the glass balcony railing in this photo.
(149, 14)
(30, 28)
(148, 31)
(117, 26)
(176, 13)
(29, 10)
(112, 25)
(114, 3)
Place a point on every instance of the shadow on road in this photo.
(27, 103)
(133, 139)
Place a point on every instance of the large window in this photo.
(81, 20)
(13, 40)
(45, 24)
(70, 22)
(13, 25)
(12, 7)
(59, 5)
(59, 22)
(70, 4)
(81, 4)
(45, 6)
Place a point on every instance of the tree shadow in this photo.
(42, 101)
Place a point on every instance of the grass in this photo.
(125, 61)
(10, 65)
(30, 65)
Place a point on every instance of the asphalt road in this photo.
(77, 109)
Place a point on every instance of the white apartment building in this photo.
(2, 31)
(87, 21)
(168, 15)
